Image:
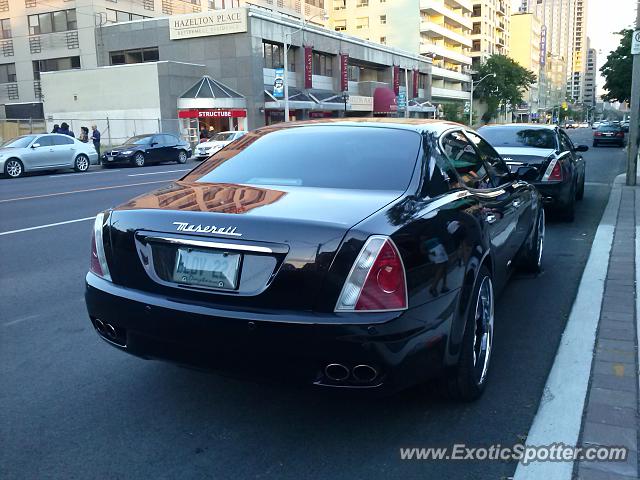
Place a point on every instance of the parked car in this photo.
(608, 135)
(362, 254)
(216, 143)
(625, 126)
(595, 125)
(571, 124)
(150, 148)
(50, 151)
(559, 167)
(584, 125)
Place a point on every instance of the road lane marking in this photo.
(158, 173)
(82, 191)
(19, 320)
(65, 175)
(11, 232)
(559, 415)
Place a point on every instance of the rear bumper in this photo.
(555, 195)
(271, 347)
(609, 140)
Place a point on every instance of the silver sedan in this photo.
(50, 151)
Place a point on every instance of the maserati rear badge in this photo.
(187, 227)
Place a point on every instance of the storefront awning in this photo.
(209, 93)
(421, 105)
(384, 101)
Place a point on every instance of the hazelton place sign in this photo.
(219, 22)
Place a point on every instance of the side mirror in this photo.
(35, 145)
(581, 148)
(153, 144)
(528, 174)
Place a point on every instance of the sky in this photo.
(604, 18)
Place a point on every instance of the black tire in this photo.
(467, 381)
(580, 192)
(595, 144)
(138, 160)
(568, 213)
(532, 256)
(182, 157)
(13, 168)
(81, 163)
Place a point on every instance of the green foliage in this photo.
(508, 86)
(454, 112)
(617, 70)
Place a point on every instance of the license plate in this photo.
(206, 268)
(608, 134)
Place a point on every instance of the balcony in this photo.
(433, 30)
(500, 26)
(439, 8)
(501, 10)
(464, 4)
(439, 72)
(51, 41)
(450, 93)
(440, 51)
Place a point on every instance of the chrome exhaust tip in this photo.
(336, 372)
(99, 325)
(364, 373)
(110, 331)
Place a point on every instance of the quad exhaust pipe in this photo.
(361, 373)
(105, 329)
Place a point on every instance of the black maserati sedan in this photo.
(363, 254)
(559, 167)
(141, 150)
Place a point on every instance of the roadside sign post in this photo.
(402, 102)
(634, 121)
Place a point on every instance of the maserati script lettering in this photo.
(186, 227)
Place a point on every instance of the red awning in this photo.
(384, 100)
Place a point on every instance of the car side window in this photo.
(45, 141)
(62, 140)
(157, 139)
(169, 140)
(465, 160)
(498, 170)
(566, 144)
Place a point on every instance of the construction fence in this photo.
(113, 131)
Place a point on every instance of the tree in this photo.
(617, 70)
(508, 86)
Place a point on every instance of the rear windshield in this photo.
(366, 158)
(221, 137)
(19, 142)
(609, 128)
(519, 137)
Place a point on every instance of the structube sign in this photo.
(212, 113)
(344, 72)
(205, 24)
(396, 79)
(308, 67)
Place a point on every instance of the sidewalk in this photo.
(610, 416)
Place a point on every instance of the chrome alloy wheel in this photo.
(483, 330)
(13, 168)
(139, 160)
(182, 157)
(82, 163)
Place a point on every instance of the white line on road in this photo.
(82, 191)
(158, 173)
(82, 173)
(559, 415)
(11, 232)
(19, 320)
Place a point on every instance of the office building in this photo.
(591, 74)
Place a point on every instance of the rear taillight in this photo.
(620, 134)
(98, 263)
(553, 172)
(377, 281)
(597, 134)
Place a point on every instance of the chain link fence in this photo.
(113, 131)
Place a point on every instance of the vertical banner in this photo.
(416, 78)
(344, 72)
(396, 79)
(543, 45)
(308, 67)
(278, 83)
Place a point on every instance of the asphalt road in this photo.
(73, 407)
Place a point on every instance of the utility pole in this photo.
(634, 123)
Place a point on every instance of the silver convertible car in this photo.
(50, 151)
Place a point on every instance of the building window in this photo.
(383, 40)
(5, 28)
(353, 72)
(423, 80)
(115, 16)
(135, 55)
(8, 73)
(273, 54)
(54, 65)
(383, 19)
(50, 22)
(362, 22)
(340, 25)
(362, 3)
(322, 64)
(339, 4)
(476, 46)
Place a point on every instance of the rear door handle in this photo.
(491, 218)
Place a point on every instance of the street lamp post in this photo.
(473, 85)
(286, 65)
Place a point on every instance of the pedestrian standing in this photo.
(65, 130)
(84, 135)
(95, 138)
(56, 127)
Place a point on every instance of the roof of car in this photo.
(415, 124)
(546, 126)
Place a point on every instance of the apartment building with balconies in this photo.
(50, 35)
(490, 29)
(591, 74)
(439, 29)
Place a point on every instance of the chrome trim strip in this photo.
(207, 244)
